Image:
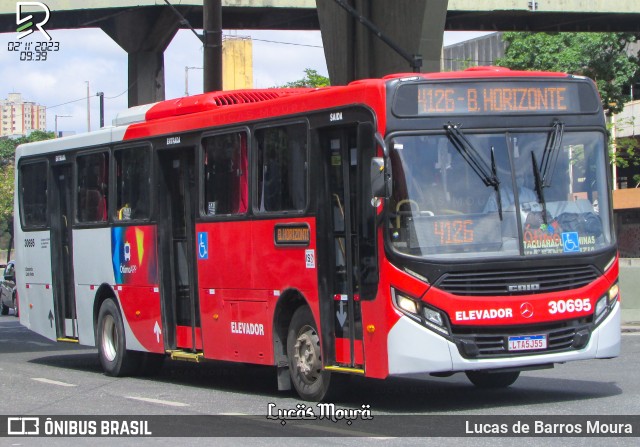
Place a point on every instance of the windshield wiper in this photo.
(487, 173)
(495, 176)
(550, 154)
(539, 186)
(544, 171)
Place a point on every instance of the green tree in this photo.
(7, 174)
(600, 56)
(311, 79)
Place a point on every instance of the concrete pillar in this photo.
(353, 52)
(144, 36)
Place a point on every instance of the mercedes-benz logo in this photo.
(526, 310)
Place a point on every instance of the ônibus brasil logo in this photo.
(24, 29)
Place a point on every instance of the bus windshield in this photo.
(472, 194)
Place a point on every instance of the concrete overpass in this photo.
(144, 28)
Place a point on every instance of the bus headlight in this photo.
(606, 303)
(408, 306)
(614, 292)
(435, 320)
(601, 306)
(426, 315)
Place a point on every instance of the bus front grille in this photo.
(517, 281)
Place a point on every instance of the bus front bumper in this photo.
(414, 349)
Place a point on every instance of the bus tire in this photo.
(115, 359)
(15, 304)
(4, 310)
(309, 379)
(483, 379)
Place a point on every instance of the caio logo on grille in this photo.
(523, 287)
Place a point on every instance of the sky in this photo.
(60, 82)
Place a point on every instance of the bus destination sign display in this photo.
(482, 98)
(490, 98)
(292, 234)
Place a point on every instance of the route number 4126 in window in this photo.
(569, 306)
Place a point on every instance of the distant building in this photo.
(482, 50)
(237, 63)
(20, 118)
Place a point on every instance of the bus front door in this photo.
(64, 297)
(176, 226)
(343, 327)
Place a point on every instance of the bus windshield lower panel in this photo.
(499, 194)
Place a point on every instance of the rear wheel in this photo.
(484, 379)
(116, 360)
(305, 357)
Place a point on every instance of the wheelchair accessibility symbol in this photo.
(570, 242)
(203, 245)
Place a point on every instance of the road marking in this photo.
(158, 401)
(37, 343)
(52, 382)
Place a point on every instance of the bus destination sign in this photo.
(495, 97)
(292, 234)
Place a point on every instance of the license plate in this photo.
(527, 342)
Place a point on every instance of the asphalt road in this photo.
(38, 377)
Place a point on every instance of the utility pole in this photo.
(212, 24)
(101, 96)
(211, 38)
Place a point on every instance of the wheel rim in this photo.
(307, 354)
(109, 338)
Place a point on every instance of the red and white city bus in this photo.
(416, 224)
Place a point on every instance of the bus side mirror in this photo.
(377, 177)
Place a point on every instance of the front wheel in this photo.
(484, 379)
(116, 360)
(305, 357)
(15, 304)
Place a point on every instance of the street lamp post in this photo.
(56, 120)
(186, 78)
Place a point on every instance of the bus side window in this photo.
(225, 172)
(33, 182)
(93, 181)
(133, 183)
(282, 168)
